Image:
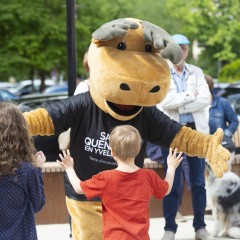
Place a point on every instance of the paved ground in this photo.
(185, 230)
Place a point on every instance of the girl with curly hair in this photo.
(21, 183)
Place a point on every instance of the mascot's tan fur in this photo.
(128, 72)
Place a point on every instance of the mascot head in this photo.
(128, 67)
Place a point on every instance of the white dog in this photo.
(223, 196)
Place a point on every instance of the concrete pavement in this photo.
(185, 230)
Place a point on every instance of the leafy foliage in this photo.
(33, 39)
(230, 72)
(216, 27)
(33, 33)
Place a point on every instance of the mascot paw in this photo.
(161, 40)
(218, 155)
(115, 28)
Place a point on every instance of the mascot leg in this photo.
(86, 219)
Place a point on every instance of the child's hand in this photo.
(67, 160)
(40, 159)
(173, 160)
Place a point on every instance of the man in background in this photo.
(187, 102)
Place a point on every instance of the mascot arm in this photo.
(194, 143)
(39, 122)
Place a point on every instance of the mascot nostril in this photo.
(124, 87)
(155, 89)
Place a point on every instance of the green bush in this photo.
(230, 72)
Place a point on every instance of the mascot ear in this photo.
(115, 28)
(161, 40)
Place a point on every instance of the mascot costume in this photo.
(129, 75)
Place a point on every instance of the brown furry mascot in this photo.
(128, 76)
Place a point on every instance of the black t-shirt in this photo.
(90, 129)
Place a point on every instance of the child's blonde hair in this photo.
(125, 141)
(16, 145)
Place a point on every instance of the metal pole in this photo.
(71, 46)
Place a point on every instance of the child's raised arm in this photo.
(173, 162)
(67, 164)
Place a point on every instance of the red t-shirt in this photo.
(125, 200)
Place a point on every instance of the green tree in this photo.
(215, 24)
(33, 38)
(33, 33)
(230, 71)
(220, 28)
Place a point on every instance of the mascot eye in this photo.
(121, 46)
(148, 48)
(125, 87)
(155, 89)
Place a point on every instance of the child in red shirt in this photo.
(125, 192)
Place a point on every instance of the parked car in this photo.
(230, 88)
(32, 101)
(231, 91)
(234, 100)
(28, 86)
(62, 88)
(7, 85)
(219, 88)
(6, 96)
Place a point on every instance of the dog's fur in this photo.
(223, 195)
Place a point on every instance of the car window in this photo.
(27, 86)
(237, 106)
(29, 105)
(5, 96)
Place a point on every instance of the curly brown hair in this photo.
(16, 145)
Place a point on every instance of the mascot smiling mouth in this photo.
(124, 110)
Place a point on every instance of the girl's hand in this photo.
(40, 159)
(66, 160)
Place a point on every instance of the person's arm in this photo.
(40, 159)
(173, 162)
(82, 87)
(74, 180)
(67, 164)
(201, 91)
(230, 116)
(175, 99)
(35, 183)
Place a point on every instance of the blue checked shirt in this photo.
(180, 82)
